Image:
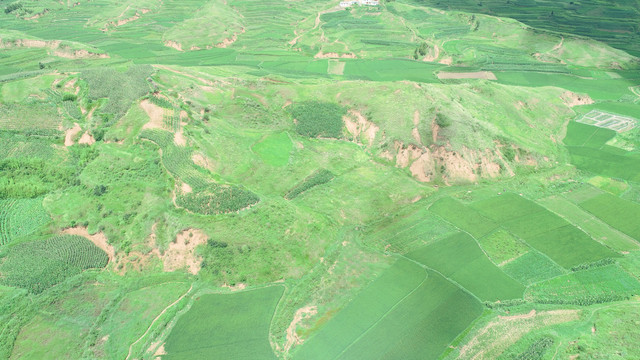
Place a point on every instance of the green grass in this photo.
(20, 217)
(618, 213)
(463, 217)
(460, 258)
(598, 285)
(569, 246)
(224, 326)
(38, 265)
(274, 149)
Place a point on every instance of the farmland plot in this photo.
(620, 214)
(460, 258)
(592, 286)
(463, 217)
(38, 265)
(226, 326)
(20, 217)
(607, 120)
(543, 230)
(404, 314)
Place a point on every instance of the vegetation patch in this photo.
(593, 286)
(20, 218)
(463, 217)
(274, 149)
(318, 119)
(38, 265)
(619, 213)
(460, 258)
(319, 177)
(402, 306)
(226, 326)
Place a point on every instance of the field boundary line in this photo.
(593, 217)
(156, 319)
(426, 276)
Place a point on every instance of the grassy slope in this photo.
(237, 115)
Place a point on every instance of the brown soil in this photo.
(78, 54)
(487, 75)
(490, 341)
(70, 134)
(181, 252)
(433, 54)
(173, 44)
(98, 238)
(202, 161)
(155, 114)
(333, 55)
(357, 124)
(292, 337)
(179, 139)
(236, 287)
(572, 99)
(86, 139)
(186, 188)
(226, 42)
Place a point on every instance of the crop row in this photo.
(38, 265)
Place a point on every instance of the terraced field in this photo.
(235, 179)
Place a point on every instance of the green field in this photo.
(298, 180)
(274, 149)
(40, 264)
(618, 213)
(217, 321)
(20, 217)
(562, 242)
(386, 326)
(463, 217)
(460, 258)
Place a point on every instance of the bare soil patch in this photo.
(490, 341)
(572, 99)
(86, 139)
(70, 134)
(202, 161)
(357, 124)
(292, 337)
(155, 113)
(487, 75)
(333, 55)
(98, 238)
(173, 44)
(181, 252)
(179, 139)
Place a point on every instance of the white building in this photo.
(345, 4)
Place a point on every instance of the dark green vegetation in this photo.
(292, 180)
(318, 177)
(40, 264)
(226, 326)
(316, 119)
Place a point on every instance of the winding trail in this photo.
(156, 319)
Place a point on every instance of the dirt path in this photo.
(164, 67)
(156, 319)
